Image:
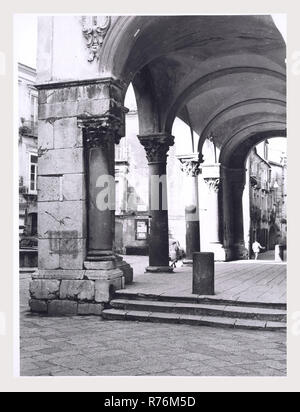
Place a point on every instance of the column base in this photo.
(159, 269)
(219, 252)
(78, 292)
(115, 262)
(240, 252)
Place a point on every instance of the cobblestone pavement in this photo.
(82, 346)
(89, 346)
(253, 281)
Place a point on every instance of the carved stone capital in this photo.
(99, 130)
(157, 146)
(94, 29)
(190, 167)
(213, 184)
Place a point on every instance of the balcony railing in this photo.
(29, 128)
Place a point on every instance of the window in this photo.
(33, 108)
(33, 173)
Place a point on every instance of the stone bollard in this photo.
(204, 273)
(279, 253)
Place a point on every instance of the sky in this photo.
(26, 40)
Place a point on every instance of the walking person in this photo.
(257, 247)
(173, 254)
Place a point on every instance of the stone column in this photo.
(157, 147)
(190, 168)
(234, 185)
(100, 134)
(237, 182)
(211, 176)
(99, 142)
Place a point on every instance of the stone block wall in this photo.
(63, 285)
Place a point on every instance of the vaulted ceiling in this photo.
(225, 76)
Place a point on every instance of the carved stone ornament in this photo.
(213, 184)
(190, 167)
(94, 29)
(97, 131)
(157, 147)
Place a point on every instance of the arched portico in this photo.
(233, 169)
(220, 74)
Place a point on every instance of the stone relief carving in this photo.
(213, 184)
(190, 167)
(94, 29)
(157, 147)
(97, 131)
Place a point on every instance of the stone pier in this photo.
(78, 268)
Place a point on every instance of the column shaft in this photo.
(190, 168)
(211, 175)
(156, 147)
(101, 222)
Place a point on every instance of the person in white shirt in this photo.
(257, 247)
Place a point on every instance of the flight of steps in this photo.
(197, 311)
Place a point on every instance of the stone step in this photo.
(215, 300)
(220, 322)
(234, 312)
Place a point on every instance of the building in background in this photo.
(265, 219)
(28, 160)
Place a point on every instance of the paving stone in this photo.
(170, 349)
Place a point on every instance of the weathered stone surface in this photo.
(67, 133)
(127, 272)
(109, 274)
(38, 306)
(62, 308)
(66, 219)
(73, 187)
(75, 93)
(61, 161)
(45, 135)
(73, 109)
(105, 265)
(62, 187)
(49, 188)
(90, 309)
(59, 274)
(72, 253)
(44, 289)
(82, 290)
(204, 274)
(104, 289)
(47, 259)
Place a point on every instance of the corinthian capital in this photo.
(213, 184)
(98, 130)
(157, 146)
(190, 167)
